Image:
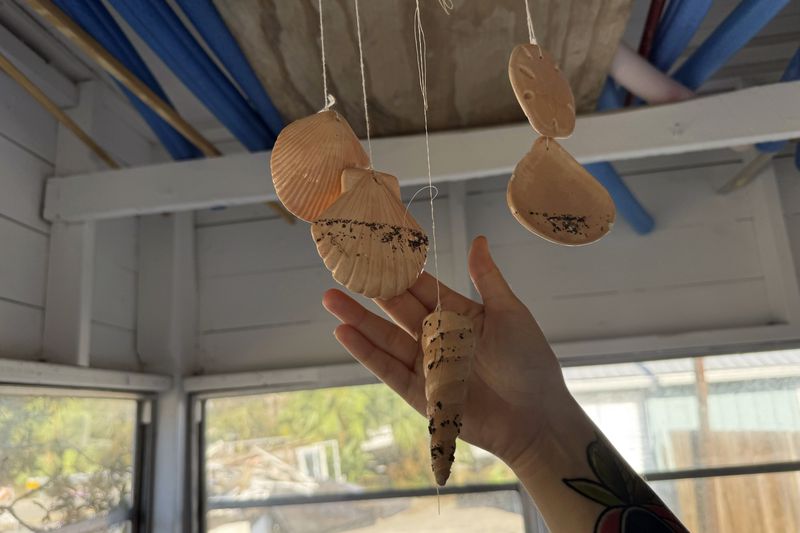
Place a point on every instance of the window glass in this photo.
(498, 512)
(327, 441)
(735, 504)
(64, 460)
(693, 413)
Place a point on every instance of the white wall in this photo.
(113, 329)
(260, 284)
(29, 141)
(703, 268)
(27, 156)
(789, 181)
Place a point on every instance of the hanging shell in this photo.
(308, 159)
(448, 344)
(553, 196)
(542, 91)
(367, 238)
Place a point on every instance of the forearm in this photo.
(580, 483)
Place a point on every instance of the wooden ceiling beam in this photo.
(759, 114)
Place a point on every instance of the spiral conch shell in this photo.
(308, 159)
(553, 196)
(542, 91)
(448, 344)
(368, 240)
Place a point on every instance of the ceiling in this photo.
(468, 54)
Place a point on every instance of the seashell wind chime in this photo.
(550, 193)
(362, 230)
(374, 247)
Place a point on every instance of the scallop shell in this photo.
(542, 91)
(308, 159)
(368, 240)
(553, 196)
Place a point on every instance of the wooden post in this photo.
(70, 272)
(165, 341)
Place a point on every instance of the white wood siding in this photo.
(27, 154)
(260, 280)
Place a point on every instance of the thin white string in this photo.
(434, 190)
(531, 34)
(422, 71)
(329, 100)
(447, 5)
(363, 82)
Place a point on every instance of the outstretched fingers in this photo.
(409, 309)
(388, 369)
(487, 278)
(425, 290)
(380, 332)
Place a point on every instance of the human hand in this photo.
(516, 387)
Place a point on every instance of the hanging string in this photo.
(531, 34)
(329, 100)
(434, 190)
(422, 71)
(447, 5)
(363, 82)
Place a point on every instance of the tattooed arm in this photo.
(580, 483)
(518, 406)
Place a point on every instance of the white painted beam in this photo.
(70, 266)
(68, 306)
(54, 84)
(166, 330)
(743, 117)
(281, 380)
(50, 375)
(460, 245)
(166, 301)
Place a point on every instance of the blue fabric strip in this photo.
(207, 20)
(792, 73)
(611, 97)
(163, 31)
(797, 157)
(627, 204)
(678, 26)
(744, 22)
(95, 19)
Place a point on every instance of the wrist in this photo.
(561, 423)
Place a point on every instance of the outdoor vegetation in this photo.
(381, 441)
(63, 460)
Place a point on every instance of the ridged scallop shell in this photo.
(542, 91)
(553, 196)
(308, 159)
(368, 240)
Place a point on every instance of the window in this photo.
(719, 437)
(66, 458)
(350, 459)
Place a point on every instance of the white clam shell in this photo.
(553, 196)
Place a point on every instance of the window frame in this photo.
(203, 388)
(140, 515)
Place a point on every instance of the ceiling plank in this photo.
(743, 117)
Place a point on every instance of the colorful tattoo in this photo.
(630, 505)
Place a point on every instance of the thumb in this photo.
(487, 278)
